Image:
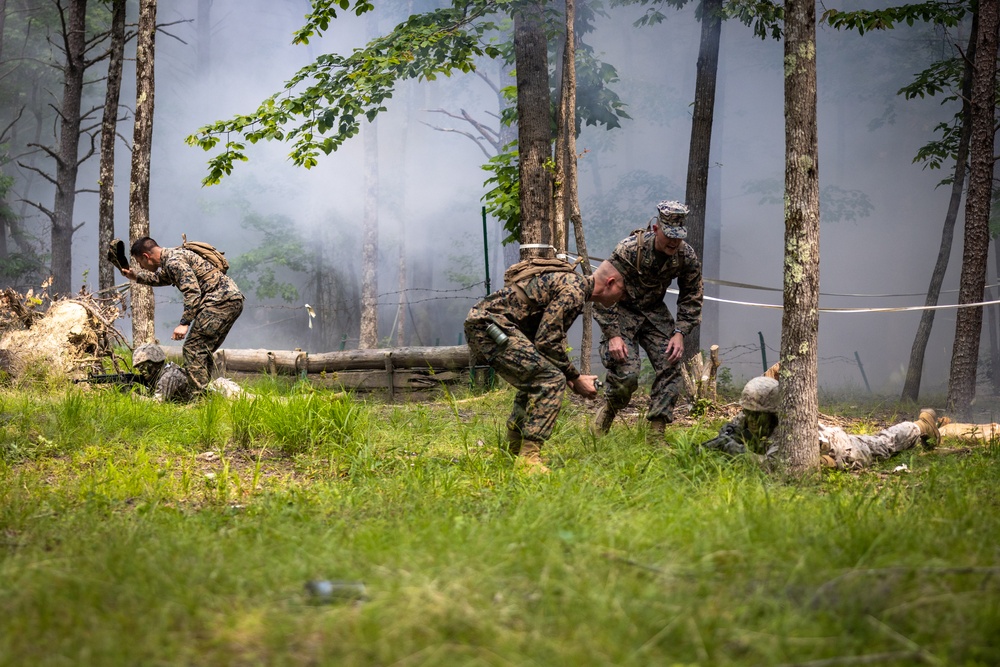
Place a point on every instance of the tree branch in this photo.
(476, 139)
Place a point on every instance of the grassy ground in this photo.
(134, 533)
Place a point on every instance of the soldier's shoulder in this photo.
(688, 251)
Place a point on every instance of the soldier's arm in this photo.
(690, 295)
(151, 278)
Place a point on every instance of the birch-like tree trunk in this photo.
(969, 323)
(798, 446)
(109, 129)
(67, 159)
(703, 114)
(534, 146)
(369, 241)
(143, 304)
(915, 370)
(570, 189)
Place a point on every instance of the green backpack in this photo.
(531, 267)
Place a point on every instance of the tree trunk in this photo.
(67, 159)
(969, 323)
(143, 305)
(703, 114)
(797, 441)
(109, 128)
(369, 243)
(534, 146)
(914, 372)
(571, 191)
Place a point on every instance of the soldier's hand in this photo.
(180, 331)
(675, 348)
(584, 386)
(128, 273)
(617, 348)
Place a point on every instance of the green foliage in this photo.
(282, 246)
(945, 14)
(503, 199)
(764, 16)
(323, 104)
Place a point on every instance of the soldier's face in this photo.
(147, 262)
(664, 243)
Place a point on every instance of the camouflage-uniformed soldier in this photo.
(535, 315)
(649, 262)
(212, 302)
(752, 426)
(168, 381)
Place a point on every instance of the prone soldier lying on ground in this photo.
(751, 428)
(167, 380)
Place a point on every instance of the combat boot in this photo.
(657, 428)
(512, 445)
(929, 434)
(529, 461)
(603, 419)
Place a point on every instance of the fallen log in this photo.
(295, 362)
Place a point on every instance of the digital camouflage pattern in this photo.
(173, 384)
(212, 303)
(641, 318)
(750, 431)
(536, 360)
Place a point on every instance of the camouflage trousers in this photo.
(204, 337)
(857, 451)
(540, 385)
(623, 375)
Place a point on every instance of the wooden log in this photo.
(290, 362)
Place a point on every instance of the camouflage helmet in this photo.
(760, 395)
(148, 353)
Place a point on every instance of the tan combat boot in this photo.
(602, 420)
(513, 443)
(529, 461)
(657, 429)
(929, 434)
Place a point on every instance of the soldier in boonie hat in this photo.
(670, 218)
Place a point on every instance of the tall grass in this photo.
(158, 534)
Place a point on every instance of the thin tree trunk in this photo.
(143, 304)
(798, 447)
(571, 191)
(703, 115)
(109, 129)
(914, 372)
(534, 146)
(510, 252)
(369, 243)
(969, 323)
(67, 160)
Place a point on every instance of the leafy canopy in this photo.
(322, 105)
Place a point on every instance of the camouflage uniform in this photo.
(212, 302)
(535, 360)
(847, 451)
(642, 318)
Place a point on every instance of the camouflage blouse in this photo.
(200, 283)
(555, 300)
(647, 274)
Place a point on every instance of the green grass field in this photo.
(136, 533)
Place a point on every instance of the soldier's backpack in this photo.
(215, 257)
(531, 267)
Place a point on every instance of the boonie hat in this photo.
(670, 217)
